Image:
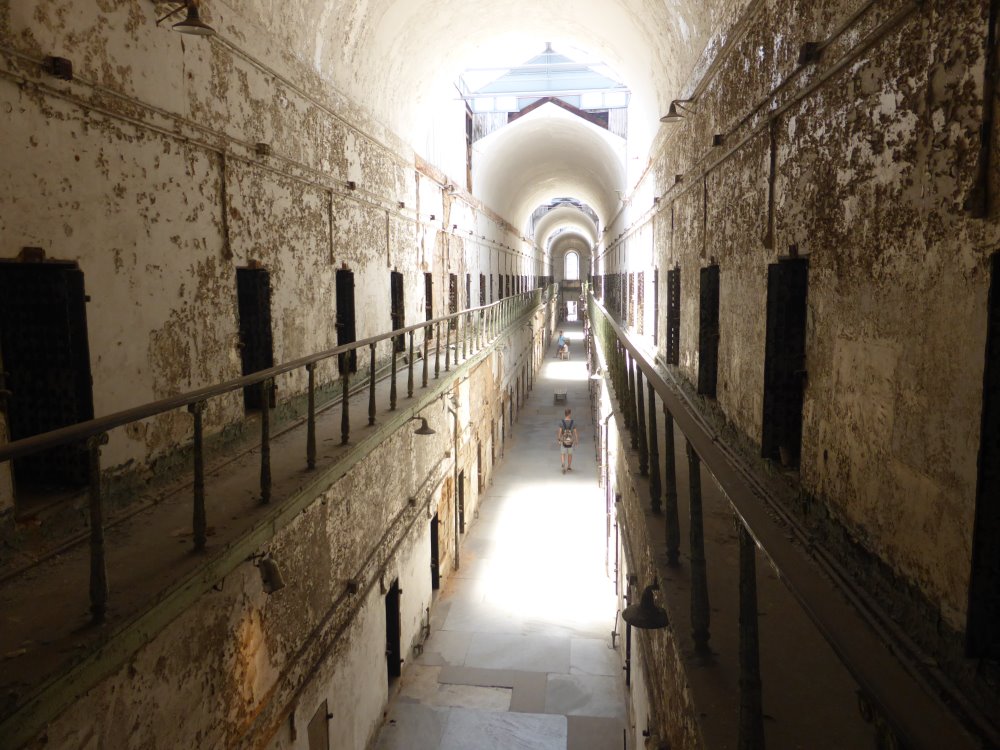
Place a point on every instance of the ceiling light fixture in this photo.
(423, 429)
(192, 23)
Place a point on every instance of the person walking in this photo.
(567, 437)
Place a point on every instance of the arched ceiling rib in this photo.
(565, 218)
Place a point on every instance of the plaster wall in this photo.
(144, 170)
(874, 151)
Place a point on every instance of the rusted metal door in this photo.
(982, 634)
(398, 309)
(429, 302)
(452, 298)
(253, 293)
(784, 360)
(393, 632)
(46, 366)
(347, 332)
(435, 554)
(708, 332)
(461, 502)
(319, 728)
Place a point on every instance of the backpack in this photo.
(566, 436)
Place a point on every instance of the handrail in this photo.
(83, 430)
(474, 330)
(896, 690)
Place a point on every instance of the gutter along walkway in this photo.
(51, 653)
(519, 655)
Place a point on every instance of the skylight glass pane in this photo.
(482, 104)
(592, 100)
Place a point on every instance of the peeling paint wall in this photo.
(145, 170)
(874, 152)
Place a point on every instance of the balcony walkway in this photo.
(45, 629)
(519, 655)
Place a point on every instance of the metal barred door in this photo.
(784, 360)
(673, 316)
(46, 363)
(398, 309)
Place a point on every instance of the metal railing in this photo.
(892, 692)
(467, 332)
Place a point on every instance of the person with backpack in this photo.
(567, 437)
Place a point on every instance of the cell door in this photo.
(708, 332)
(45, 360)
(253, 294)
(452, 299)
(482, 290)
(319, 728)
(429, 302)
(393, 633)
(982, 635)
(468, 291)
(346, 324)
(461, 502)
(397, 309)
(435, 554)
(784, 360)
(674, 316)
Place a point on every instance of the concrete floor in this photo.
(520, 653)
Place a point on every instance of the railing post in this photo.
(465, 336)
(98, 565)
(670, 510)
(265, 441)
(392, 380)
(437, 351)
(409, 373)
(371, 385)
(447, 346)
(311, 418)
(423, 377)
(640, 413)
(699, 573)
(198, 521)
(654, 453)
(751, 711)
(345, 405)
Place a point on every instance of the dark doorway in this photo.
(482, 290)
(435, 554)
(673, 316)
(397, 309)
(346, 326)
(784, 360)
(982, 636)
(45, 365)
(468, 291)
(253, 292)
(393, 633)
(492, 296)
(429, 302)
(708, 332)
(319, 728)
(461, 502)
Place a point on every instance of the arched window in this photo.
(571, 271)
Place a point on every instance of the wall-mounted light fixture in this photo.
(647, 614)
(424, 428)
(192, 23)
(270, 573)
(677, 108)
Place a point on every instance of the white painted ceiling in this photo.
(400, 58)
